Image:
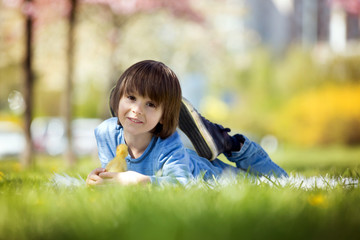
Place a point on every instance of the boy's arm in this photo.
(173, 164)
(106, 135)
(124, 178)
(172, 173)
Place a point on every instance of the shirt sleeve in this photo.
(106, 135)
(173, 164)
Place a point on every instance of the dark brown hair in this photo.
(156, 81)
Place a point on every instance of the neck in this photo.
(137, 144)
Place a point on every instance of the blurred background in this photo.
(284, 72)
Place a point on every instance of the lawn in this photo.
(32, 207)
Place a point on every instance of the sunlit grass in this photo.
(32, 207)
(335, 160)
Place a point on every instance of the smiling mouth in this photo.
(134, 120)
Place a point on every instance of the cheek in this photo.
(155, 116)
(121, 105)
(121, 110)
(161, 117)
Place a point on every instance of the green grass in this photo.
(32, 208)
(335, 160)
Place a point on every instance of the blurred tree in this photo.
(34, 12)
(27, 159)
(69, 154)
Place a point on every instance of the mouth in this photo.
(134, 120)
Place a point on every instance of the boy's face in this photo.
(138, 115)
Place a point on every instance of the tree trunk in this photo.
(69, 154)
(27, 158)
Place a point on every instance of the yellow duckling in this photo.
(118, 163)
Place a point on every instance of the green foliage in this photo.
(335, 160)
(48, 103)
(306, 98)
(91, 101)
(343, 69)
(297, 72)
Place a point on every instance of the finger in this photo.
(107, 175)
(95, 181)
(97, 171)
(91, 182)
(95, 178)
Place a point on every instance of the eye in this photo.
(151, 104)
(131, 98)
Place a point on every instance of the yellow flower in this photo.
(17, 167)
(317, 200)
(39, 202)
(54, 169)
(2, 176)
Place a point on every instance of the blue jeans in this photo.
(253, 157)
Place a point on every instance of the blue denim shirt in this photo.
(168, 161)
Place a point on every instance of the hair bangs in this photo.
(147, 83)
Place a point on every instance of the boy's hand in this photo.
(93, 178)
(124, 178)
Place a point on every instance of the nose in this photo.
(136, 108)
